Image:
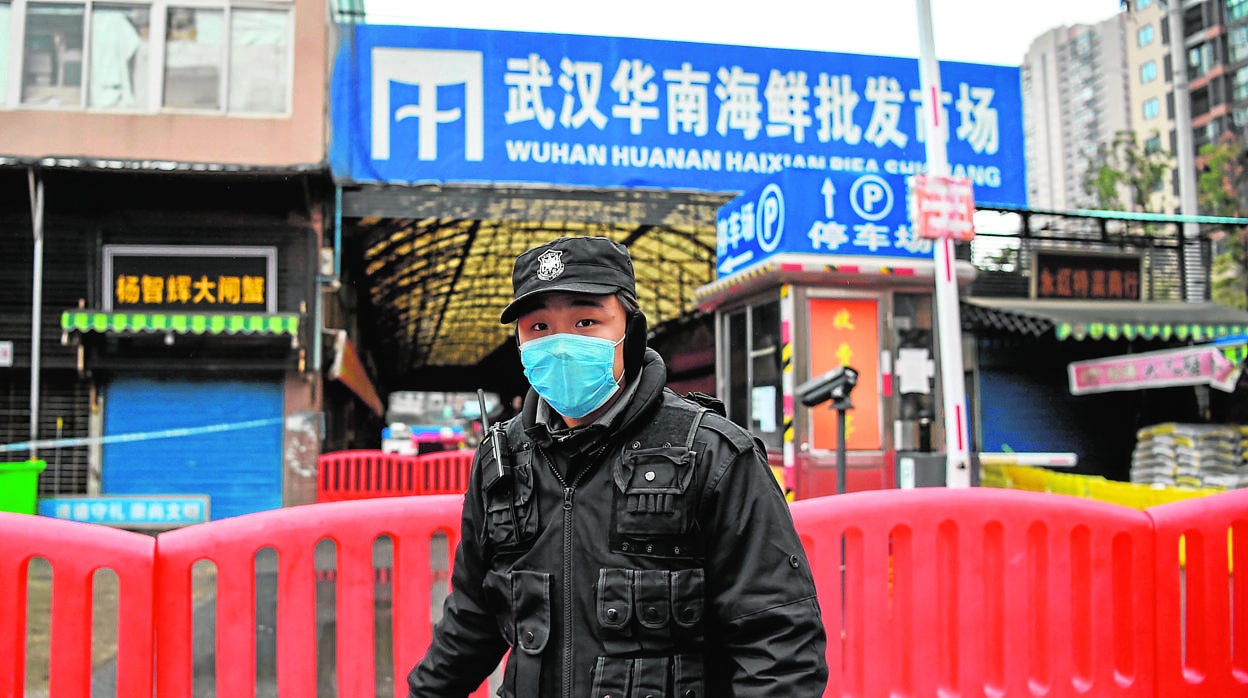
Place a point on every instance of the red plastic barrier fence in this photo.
(293, 534)
(944, 592)
(445, 472)
(982, 592)
(347, 475)
(75, 551)
(1202, 595)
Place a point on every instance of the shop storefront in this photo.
(191, 333)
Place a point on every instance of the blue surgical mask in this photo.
(575, 374)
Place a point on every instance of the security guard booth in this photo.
(817, 271)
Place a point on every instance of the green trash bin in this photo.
(19, 485)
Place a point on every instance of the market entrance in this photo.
(430, 271)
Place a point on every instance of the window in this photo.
(1141, 4)
(1239, 88)
(1148, 72)
(1237, 44)
(1153, 144)
(194, 58)
(1152, 108)
(755, 396)
(1236, 9)
(1145, 36)
(1199, 60)
(120, 55)
(215, 56)
(1239, 117)
(52, 55)
(259, 61)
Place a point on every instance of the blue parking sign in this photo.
(848, 214)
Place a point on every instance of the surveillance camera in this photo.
(836, 384)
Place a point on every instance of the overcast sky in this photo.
(976, 31)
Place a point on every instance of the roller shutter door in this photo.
(239, 469)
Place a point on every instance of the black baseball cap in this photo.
(594, 265)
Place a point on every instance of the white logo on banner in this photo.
(428, 70)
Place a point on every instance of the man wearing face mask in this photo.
(620, 540)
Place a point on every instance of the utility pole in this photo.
(36, 303)
(948, 321)
(1185, 158)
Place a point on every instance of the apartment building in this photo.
(1215, 38)
(1151, 89)
(1075, 96)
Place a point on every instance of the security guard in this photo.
(620, 540)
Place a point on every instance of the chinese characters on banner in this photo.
(154, 511)
(476, 105)
(846, 333)
(190, 279)
(202, 293)
(1090, 277)
(790, 105)
(1168, 367)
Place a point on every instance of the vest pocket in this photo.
(687, 676)
(615, 598)
(520, 600)
(612, 677)
(688, 601)
(497, 587)
(530, 597)
(650, 677)
(651, 485)
(511, 518)
(650, 611)
(679, 676)
(653, 598)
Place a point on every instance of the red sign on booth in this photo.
(943, 207)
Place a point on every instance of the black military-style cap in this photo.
(594, 265)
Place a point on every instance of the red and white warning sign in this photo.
(943, 207)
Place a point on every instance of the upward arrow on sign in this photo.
(829, 204)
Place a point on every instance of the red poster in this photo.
(847, 333)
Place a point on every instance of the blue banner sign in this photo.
(840, 213)
(418, 104)
(137, 511)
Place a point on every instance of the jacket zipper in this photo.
(568, 492)
(568, 672)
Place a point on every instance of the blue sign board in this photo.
(841, 213)
(418, 104)
(138, 512)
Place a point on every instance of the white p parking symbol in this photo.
(871, 197)
(770, 217)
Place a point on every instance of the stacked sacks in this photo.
(1190, 455)
(1152, 460)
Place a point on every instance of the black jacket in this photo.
(652, 556)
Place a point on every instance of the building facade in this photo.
(165, 202)
(1149, 75)
(1075, 97)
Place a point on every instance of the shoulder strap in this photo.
(708, 401)
(693, 427)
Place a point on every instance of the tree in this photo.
(1221, 191)
(1126, 166)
